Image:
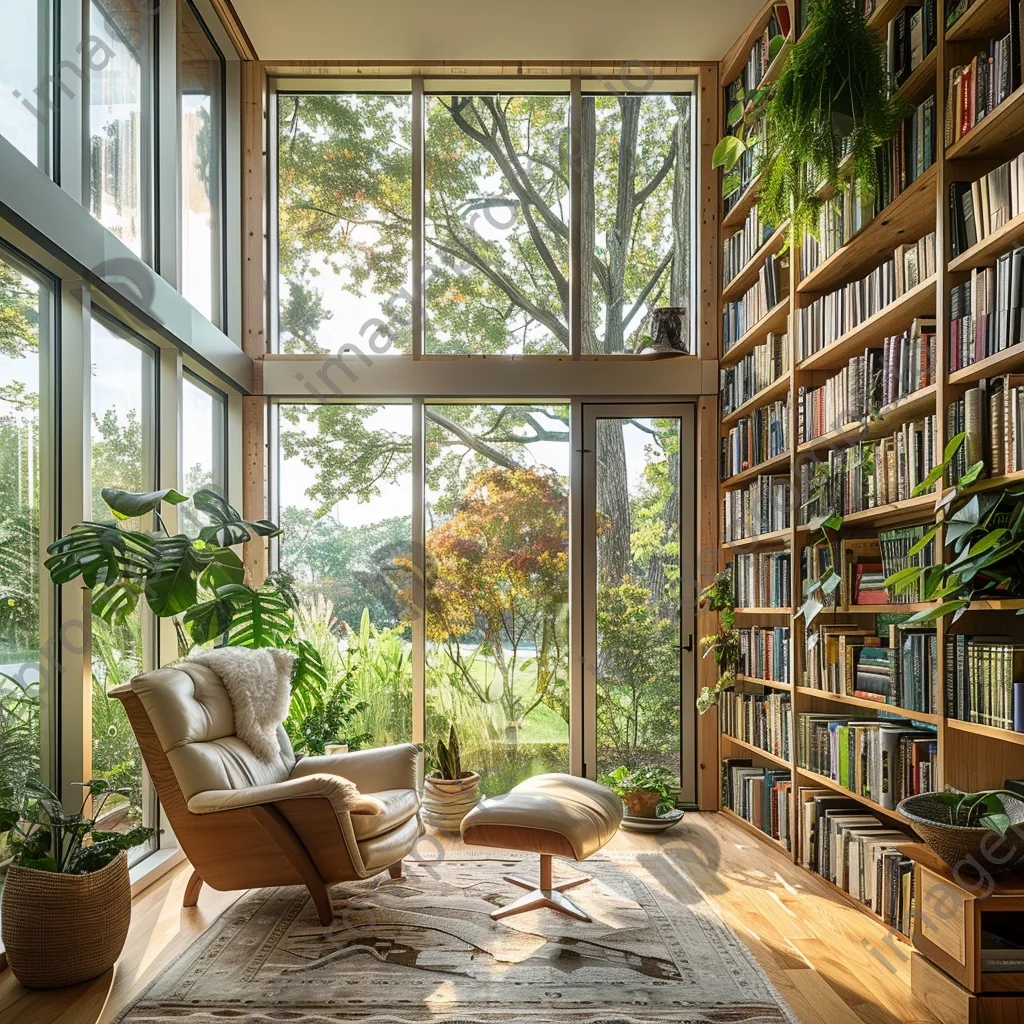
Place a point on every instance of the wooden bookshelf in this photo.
(983, 20)
(998, 136)
(988, 248)
(777, 389)
(829, 783)
(772, 322)
(735, 288)
(771, 684)
(1010, 360)
(750, 748)
(768, 466)
(867, 705)
(762, 539)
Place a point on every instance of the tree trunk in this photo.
(614, 559)
(588, 230)
(679, 284)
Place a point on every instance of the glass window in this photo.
(26, 90)
(123, 421)
(204, 417)
(497, 224)
(637, 202)
(345, 485)
(497, 587)
(25, 413)
(344, 221)
(118, 118)
(201, 116)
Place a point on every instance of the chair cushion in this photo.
(399, 806)
(583, 812)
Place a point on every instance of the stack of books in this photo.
(760, 507)
(991, 416)
(895, 546)
(979, 208)
(827, 319)
(985, 311)
(758, 795)
(882, 761)
(754, 372)
(976, 88)
(985, 681)
(763, 720)
(764, 653)
(756, 438)
(771, 288)
(739, 249)
(907, 155)
(868, 474)
(761, 579)
(911, 36)
(854, 850)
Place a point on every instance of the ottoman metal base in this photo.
(543, 896)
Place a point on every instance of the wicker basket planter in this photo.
(62, 929)
(971, 849)
(447, 801)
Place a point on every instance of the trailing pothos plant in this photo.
(984, 538)
(832, 104)
(197, 582)
(719, 596)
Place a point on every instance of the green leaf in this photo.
(99, 553)
(929, 481)
(228, 527)
(903, 579)
(830, 581)
(730, 184)
(953, 446)
(735, 114)
(131, 505)
(172, 587)
(225, 567)
(919, 546)
(989, 541)
(931, 614)
(997, 822)
(8, 819)
(810, 610)
(728, 152)
(774, 45)
(116, 603)
(971, 475)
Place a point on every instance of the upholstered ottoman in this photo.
(555, 816)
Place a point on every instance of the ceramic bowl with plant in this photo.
(67, 897)
(647, 791)
(449, 792)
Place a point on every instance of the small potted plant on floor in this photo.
(67, 898)
(449, 793)
(648, 793)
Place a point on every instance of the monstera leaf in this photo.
(227, 526)
(251, 618)
(172, 586)
(100, 553)
(131, 504)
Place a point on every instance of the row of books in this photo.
(846, 844)
(910, 37)
(976, 88)
(760, 507)
(830, 317)
(899, 670)
(877, 378)
(883, 761)
(985, 310)
(759, 58)
(771, 287)
(985, 680)
(759, 796)
(907, 155)
(761, 579)
(764, 653)
(764, 720)
(739, 248)
(867, 474)
(895, 546)
(980, 207)
(756, 438)
(991, 416)
(764, 365)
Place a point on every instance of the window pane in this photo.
(637, 199)
(497, 587)
(25, 94)
(118, 112)
(345, 221)
(122, 446)
(203, 454)
(497, 224)
(345, 485)
(24, 409)
(201, 99)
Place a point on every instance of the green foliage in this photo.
(625, 781)
(719, 596)
(42, 835)
(984, 809)
(449, 757)
(19, 736)
(322, 714)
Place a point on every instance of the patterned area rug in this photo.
(423, 949)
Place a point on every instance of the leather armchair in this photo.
(244, 823)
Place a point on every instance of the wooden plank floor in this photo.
(831, 963)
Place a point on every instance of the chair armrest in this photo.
(373, 771)
(343, 795)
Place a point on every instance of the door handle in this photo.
(688, 646)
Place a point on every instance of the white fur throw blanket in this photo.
(259, 684)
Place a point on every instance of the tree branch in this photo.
(650, 284)
(666, 165)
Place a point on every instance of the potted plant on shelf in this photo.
(449, 793)
(718, 597)
(67, 898)
(976, 831)
(648, 793)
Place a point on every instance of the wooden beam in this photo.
(710, 243)
(229, 18)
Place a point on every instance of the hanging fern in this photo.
(832, 98)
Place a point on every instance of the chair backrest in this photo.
(193, 720)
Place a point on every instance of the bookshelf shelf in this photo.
(770, 683)
(776, 537)
(994, 482)
(868, 705)
(776, 389)
(897, 511)
(767, 466)
(884, 609)
(1010, 360)
(764, 611)
(988, 248)
(739, 210)
(824, 780)
(884, 13)
(752, 828)
(998, 135)
(921, 81)
(743, 745)
(896, 317)
(774, 320)
(982, 20)
(735, 288)
(988, 731)
(907, 218)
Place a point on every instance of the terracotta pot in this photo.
(643, 803)
(62, 929)
(447, 801)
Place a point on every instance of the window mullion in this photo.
(418, 221)
(418, 611)
(575, 218)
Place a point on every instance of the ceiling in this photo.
(482, 30)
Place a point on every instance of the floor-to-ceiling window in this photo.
(26, 90)
(204, 424)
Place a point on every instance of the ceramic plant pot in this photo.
(447, 801)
